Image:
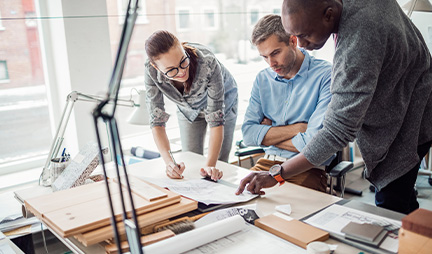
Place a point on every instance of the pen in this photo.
(172, 158)
(62, 155)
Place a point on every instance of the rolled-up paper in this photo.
(26, 213)
(197, 237)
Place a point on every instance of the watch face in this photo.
(275, 169)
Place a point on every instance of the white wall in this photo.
(77, 47)
(423, 21)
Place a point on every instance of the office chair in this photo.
(336, 170)
(244, 150)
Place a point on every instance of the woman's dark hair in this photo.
(161, 42)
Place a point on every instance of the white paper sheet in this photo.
(197, 237)
(250, 240)
(335, 217)
(204, 191)
(6, 249)
(10, 208)
(240, 242)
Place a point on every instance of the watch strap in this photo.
(279, 178)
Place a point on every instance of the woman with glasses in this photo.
(205, 94)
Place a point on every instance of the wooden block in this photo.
(145, 190)
(145, 240)
(294, 231)
(144, 220)
(419, 221)
(411, 242)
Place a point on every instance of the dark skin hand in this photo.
(255, 182)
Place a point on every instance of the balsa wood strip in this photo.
(104, 233)
(61, 199)
(143, 189)
(96, 213)
(86, 207)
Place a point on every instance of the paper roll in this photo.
(26, 213)
(197, 237)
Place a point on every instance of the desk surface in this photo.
(303, 201)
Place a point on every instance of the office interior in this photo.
(51, 48)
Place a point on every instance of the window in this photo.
(209, 19)
(183, 19)
(4, 75)
(142, 16)
(28, 74)
(253, 16)
(277, 11)
(25, 128)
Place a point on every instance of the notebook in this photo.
(364, 232)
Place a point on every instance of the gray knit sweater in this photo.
(381, 86)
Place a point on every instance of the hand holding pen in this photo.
(174, 170)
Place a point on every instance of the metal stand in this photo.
(102, 112)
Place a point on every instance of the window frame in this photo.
(7, 79)
(216, 18)
(177, 11)
(249, 14)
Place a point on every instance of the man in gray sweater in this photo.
(381, 86)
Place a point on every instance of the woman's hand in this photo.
(175, 171)
(212, 172)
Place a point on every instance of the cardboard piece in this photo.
(79, 168)
(294, 231)
(364, 232)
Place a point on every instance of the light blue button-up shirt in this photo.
(304, 98)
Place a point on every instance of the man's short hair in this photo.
(295, 6)
(266, 27)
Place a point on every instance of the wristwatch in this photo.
(276, 172)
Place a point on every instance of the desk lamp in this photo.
(106, 114)
(73, 97)
(417, 5)
(140, 115)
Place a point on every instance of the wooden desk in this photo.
(303, 201)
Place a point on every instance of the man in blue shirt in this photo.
(288, 101)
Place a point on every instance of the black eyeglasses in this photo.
(171, 73)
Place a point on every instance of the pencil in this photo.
(172, 158)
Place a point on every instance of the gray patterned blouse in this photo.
(213, 91)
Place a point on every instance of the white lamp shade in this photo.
(140, 115)
(420, 5)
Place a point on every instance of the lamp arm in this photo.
(59, 136)
(411, 9)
